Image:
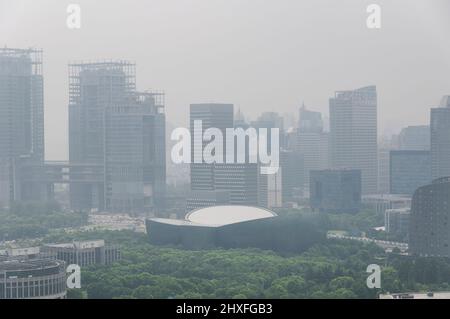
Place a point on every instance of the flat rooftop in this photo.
(21, 265)
(79, 244)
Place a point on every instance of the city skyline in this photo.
(224, 150)
(322, 43)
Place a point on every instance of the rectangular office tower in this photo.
(21, 122)
(353, 134)
(440, 139)
(121, 133)
(211, 115)
(240, 181)
(335, 191)
(409, 170)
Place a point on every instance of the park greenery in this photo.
(320, 269)
(33, 220)
(331, 269)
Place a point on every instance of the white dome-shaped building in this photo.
(216, 226)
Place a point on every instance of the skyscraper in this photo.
(21, 122)
(242, 181)
(122, 132)
(353, 133)
(440, 139)
(212, 115)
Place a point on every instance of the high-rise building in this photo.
(335, 191)
(408, 171)
(415, 138)
(440, 139)
(21, 122)
(211, 115)
(429, 231)
(312, 143)
(238, 180)
(353, 134)
(120, 131)
(242, 181)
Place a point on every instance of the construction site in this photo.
(116, 137)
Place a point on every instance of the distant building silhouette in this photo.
(415, 138)
(408, 171)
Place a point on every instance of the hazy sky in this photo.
(261, 55)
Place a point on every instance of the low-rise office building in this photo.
(84, 253)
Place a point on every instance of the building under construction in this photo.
(21, 122)
(116, 137)
(121, 132)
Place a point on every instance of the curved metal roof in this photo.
(227, 214)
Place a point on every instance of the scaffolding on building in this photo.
(34, 55)
(122, 68)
